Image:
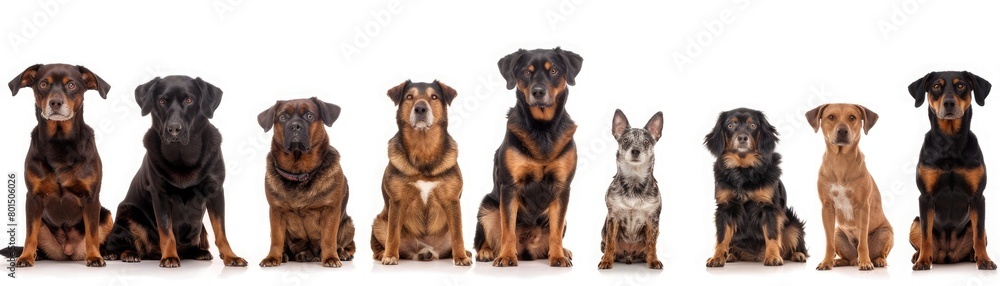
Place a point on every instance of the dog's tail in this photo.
(795, 233)
(12, 251)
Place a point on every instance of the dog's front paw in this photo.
(865, 266)
(332, 262)
(234, 261)
(95, 262)
(825, 265)
(270, 262)
(655, 264)
(505, 260)
(485, 255)
(130, 256)
(716, 261)
(557, 261)
(463, 260)
(170, 262)
(390, 260)
(922, 265)
(606, 263)
(773, 261)
(986, 264)
(25, 261)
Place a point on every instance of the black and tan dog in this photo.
(305, 186)
(64, 216)
(951, 175)
(180, 178)
(752, 219)
(524, 217)
(421, 218)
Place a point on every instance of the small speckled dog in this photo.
(630, 231)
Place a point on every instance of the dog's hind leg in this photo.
(879, 244)
(345, 241)
(847, 250)
(793, 240)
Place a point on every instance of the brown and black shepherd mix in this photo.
(64, 216)
(524, 217)
(305, 186)
(422, 185)
(951, 174)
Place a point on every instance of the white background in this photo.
(782, 57)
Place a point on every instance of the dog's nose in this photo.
(420, 109)
(295, 126)
(56, 103)
(842, 132)
(635, 153)
(743, 138)
(538, 92)
(949, 102)
(174, 129)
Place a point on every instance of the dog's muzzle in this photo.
(742, 142)
(539, 97)
(296, 136)
(421, 117)
(56, 110)
(175, 131)
(949, 109)
(842, 136)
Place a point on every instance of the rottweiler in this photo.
(951, 175)
(305, 186)
(64, 216)
(752, 219)
(524, 217)
(421, 218)
(180, 178)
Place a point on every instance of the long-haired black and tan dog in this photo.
(951, 174)
(180, 178)
(421, 218)
(305, 186)
(64, 216)
(633, 199)
(525, 214)
(752, 220)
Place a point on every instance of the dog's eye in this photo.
(188, 101)
(282, 117)
(753, 126)
(527, 72)
(853, 117)
(553, 71)
(645, 142)
(162, 101)
(71, 86)
(310, 116)
(936, 86)
(960, 86)
(434, 96)
(731, 125)
(43, 84)
(409, 96)
(830, 117)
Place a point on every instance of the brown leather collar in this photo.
(293, 177)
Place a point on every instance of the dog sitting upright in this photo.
(180, 178)
(633, 221)
(525, 214)
(421, 218)
(951, 173)
(305, 187)
(851, 201)
(64, 216)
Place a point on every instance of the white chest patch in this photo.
(838, 193)
(425, 188)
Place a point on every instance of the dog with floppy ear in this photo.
(855, 226)
(305, 186)
(633, 223)
(951, 173)
(64, 216)
(179, 180)
(421, 218)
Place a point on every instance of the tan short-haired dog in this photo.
(851, 201)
